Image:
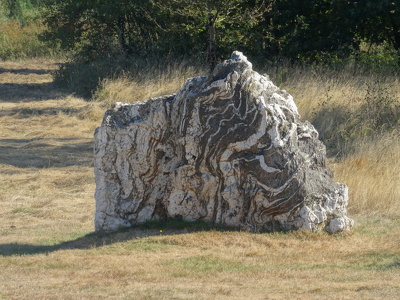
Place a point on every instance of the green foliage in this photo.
(83, 77)
(312, 29)
(20, 27)
(378, 58)
(95, 29)
(226, 24)
(379, 21)
(302, 30)
(22, 11)
(330, 30)
(21, 42)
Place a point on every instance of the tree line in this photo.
(304, 30)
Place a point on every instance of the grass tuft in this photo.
(24, 210)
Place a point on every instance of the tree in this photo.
(99, 28)
(379, 21)
(215, 17)
(308, 29)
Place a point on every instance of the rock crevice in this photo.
(229, 149)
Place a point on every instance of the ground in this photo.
(48, 249)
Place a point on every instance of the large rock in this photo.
(229, 149)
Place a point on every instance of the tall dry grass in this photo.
(373, 176)
(46, 175)
(146, 84)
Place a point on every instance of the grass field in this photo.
(48, 249)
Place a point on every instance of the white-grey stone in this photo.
(228, 149)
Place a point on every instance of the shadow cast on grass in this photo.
(25, 71)
(26, 113)
(46, 153)
(27, 92)
(101, 239)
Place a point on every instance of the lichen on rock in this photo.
(229, 149)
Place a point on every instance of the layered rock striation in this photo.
(229, 149)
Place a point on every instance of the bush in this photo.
(20, 28)
(18, 41)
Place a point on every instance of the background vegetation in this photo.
(305, 30)
(21, 23)
(339, 59)
(108, 38)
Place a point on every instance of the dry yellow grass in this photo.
(128, 89)
(373, 176)
(217, 265)
(48, 249)
(46, 154)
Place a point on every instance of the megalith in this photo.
(229, 149)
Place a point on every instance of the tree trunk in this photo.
(212, 50)
(121, 35)
(395, 39)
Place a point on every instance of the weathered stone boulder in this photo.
(229, 149)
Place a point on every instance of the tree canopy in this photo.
(307, 30)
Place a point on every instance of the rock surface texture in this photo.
(229, 149)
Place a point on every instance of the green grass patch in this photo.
(206, 264)
(59, 239)
(2, 296)
(380, 261)
(371, 261)
(24, 210)
(7, 232)
(376, 226)
(139, 245)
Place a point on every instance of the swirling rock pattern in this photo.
(228, 149)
